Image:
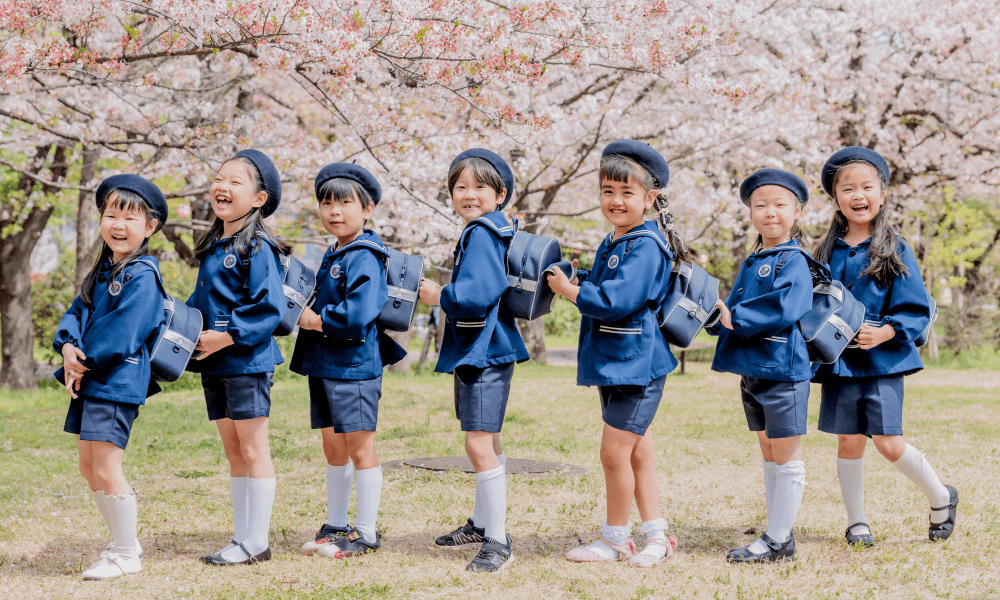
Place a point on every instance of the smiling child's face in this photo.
(472, 199)
(859, 194)
(773, 211)
(624, 203)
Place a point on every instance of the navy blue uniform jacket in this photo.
(620, 339)
(765, 341)
(350, 294)
(904, 304)
(244, 297)
(116, 333)
(476, 332)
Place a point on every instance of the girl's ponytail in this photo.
(682, 252)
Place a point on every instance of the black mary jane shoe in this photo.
(862, 539)
(941, 531)
(775, 551)
(217, 560)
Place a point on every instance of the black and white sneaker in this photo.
(492, 557)
(466, 534)
(327, 534)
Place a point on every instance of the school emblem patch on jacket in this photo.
(764, 270)
(613, 261)
(335, 271)
(115, 287)
(230, 261)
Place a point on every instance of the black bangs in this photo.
(482, 171)
(341, 188)
(616, 167)
(127, 201)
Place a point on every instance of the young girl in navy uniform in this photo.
(105, 339)
(622, 350)
(481, 344)
(338, 348)
(239, 293)
(759, 340)
(863, 391)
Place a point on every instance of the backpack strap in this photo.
(820, 273)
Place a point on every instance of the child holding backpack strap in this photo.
(239, 293)
(759, 340)
(338, 349)
(622, 350)
(481, 344)
(105, 339)
(863, 390)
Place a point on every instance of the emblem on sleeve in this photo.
(764, 270)
(230, 261)
(613, 261)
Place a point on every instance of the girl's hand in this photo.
(560, 284)
(869, 336)
(310, 320)
(72, 383)
(725, 317)
(211, 341)
(430, 292)
(73, 365)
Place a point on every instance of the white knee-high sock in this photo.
(789, 485)
(478, 514)
(369, 492)
(102, 505)
(851, 473)
(769, 466)
(491, 488)
(260, 491)
(122, 520)
(914, 465)
(339, 479)
(241, 506)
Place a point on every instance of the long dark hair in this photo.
(615, 167)
(127, 201)
(884, 262)
(252, 228)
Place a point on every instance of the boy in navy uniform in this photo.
(105, 339)
(481, 344)
(863, 390)
(338, 347)
(759, 340)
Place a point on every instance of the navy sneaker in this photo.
(327, 534)
(351, 545)
(492, 557)
(466, 534)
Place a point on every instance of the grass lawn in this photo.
(710, 477)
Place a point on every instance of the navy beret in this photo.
(269, 174)
(145, 188)
(352, 172)
(853, 154)
(496, 162)
(787, 180)
(642, 153)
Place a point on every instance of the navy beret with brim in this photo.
(145, 188)
(852, 154)
(789, 181)
(353, 172)
(501, 166)
(643, 154)
(269, 174)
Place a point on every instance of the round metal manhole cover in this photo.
(514, 465)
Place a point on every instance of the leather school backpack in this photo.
(298, 286)
(529, 257)
(689, 304)
(836, 315)
(403, 273)
(177, 337)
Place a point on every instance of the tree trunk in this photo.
(16, 333)
(534, 338)
(87, 244)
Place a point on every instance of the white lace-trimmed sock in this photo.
(122, 519)
(100, 499)
(789, 485)
(655, 530)
(615, 535)
(851, 473)
(339, 479)
(914, 465)
(369, 493)
(491, 491)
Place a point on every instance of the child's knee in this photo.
(889, 446)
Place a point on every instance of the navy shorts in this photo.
(872, 406)
(777, 408)
(237, 397)
(344, 404)
(481, 396)
(631, 407)
(99, 420)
